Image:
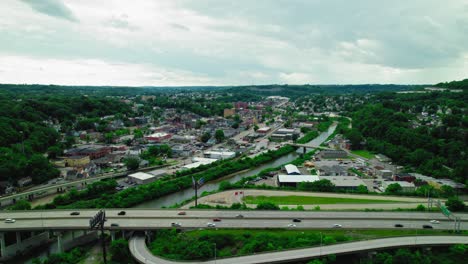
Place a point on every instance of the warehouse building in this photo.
(293, 180)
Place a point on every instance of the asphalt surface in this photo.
(157, 219)
(140, 251)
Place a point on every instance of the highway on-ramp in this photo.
(142, 254)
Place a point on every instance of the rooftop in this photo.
(297, 178)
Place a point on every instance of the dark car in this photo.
(114, 224)
(122, 213)
(216, 220)
(297, 220)
(427, 226)
(182, 213)
(398, 225)
(75, 213)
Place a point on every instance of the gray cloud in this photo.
(54, 8)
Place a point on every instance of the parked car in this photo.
(239, 216)
(210, 224)
(114, 224)
(75, 213)
(176, 225)
(291, 225)
(182, 213)
(427, 227)
(398, 225)
(297, 220)
(122, 213)
(337, 226)
(216, 220)
(434, 222)
(10, 220)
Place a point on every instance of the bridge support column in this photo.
(304, 150)
(59, 242)
(18, 237)
(73, 234)
(2, 244)
(112, 233)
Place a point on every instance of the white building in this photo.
(141, 178)
(293, 180)
(219, 154)
(292, 169)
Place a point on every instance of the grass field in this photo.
(296, 200)
(364, 153)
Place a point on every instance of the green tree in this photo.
(132, 163)
(447, 191)
(362, 189)
(54, 151)
(219, 135)
(20, 205)
(393, 188)
(205, 137)
(120, 252)
(317, 186)
(255, 128)
(454, 204)
(420, 208)
(267, 206)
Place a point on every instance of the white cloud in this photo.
(242, 42)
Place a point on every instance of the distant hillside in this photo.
(454, 84)
(292, 91)
(295, 91)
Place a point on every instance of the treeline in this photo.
(454, 84)
(200, 106)
(296, 91)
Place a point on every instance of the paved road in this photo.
(157, 219)
(140, 252)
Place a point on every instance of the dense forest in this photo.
(426, 131)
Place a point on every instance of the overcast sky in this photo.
(217, 42)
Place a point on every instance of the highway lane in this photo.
(173, 214)
(128, 223)
(140, 251)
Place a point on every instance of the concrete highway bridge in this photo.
(34, 226)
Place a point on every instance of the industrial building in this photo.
(293, 180)
(219, 154)
(346, 183)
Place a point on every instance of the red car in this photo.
(216, 220)
(182, 213)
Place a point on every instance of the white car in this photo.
(176, 225)
(10, 220)
(291, 225)
(337, 226)
(210, 224)
(434, 222)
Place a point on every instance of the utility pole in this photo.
(97, 222)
